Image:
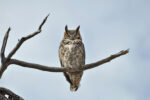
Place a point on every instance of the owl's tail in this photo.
(73, 88)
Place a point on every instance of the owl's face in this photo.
(72, 34)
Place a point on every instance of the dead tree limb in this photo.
(4, 46)
(6, 61)
(4, 64)
(59, 69)
(6, 94)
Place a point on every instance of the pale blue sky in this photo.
(107, 26)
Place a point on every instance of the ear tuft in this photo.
(66, 28)
(78, 28)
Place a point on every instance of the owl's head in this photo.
(72, 34)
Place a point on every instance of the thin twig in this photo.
(4, 45)
(26, 38)
(40, 27)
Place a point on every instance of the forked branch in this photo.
(5, 61)
(8, 60)
(26, 38)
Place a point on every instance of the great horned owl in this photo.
(72, 54)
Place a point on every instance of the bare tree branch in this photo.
(4, 45)
(103, 61)
(60, 69)
(6, 94)
(3, 65)
(38, 66)
(26, 38)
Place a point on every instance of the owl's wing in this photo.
(61, 53)
(61, 57)
(79, 56)
(81, 52)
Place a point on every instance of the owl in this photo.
(72, 54)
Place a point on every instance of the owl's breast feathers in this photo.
(72, 54)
